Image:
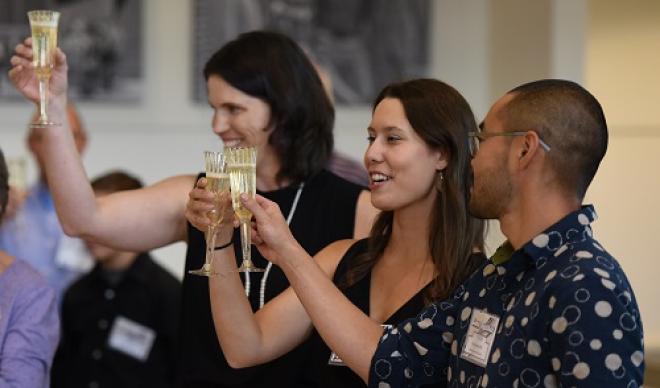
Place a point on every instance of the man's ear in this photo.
(529, 146)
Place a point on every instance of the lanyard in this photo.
(262, 288)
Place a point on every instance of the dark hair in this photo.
(442, 118)
(272, 67)
(570, 120)
(116, 181)
(4, 185)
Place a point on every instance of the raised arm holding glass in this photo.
(264, 93)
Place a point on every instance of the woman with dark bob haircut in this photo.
(422, 245)
(265, 93)
(271, 67)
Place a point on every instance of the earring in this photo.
(439, 180)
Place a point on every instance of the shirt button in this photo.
(109, 294)
(103, 324)
(97, 354)
(94, 384)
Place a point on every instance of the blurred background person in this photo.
(33, 233)
(29, 324)
(120, 321)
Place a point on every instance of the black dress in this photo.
(325, 213)
(330, 374)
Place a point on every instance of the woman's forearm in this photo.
(67, 181)
(344, 328)
(235, 325)
(249, 338)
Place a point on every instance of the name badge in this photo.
(480, 337)
(334, 359)
(131, 338)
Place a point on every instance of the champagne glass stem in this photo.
(42, 100)
(210, 245)
(246, 242)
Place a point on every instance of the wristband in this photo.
(223, 246)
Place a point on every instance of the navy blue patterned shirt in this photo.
(562, 314)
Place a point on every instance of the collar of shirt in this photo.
(138, 271)
(552, 241)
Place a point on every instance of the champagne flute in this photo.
(217, 182)
(44, 42)
(242, 168)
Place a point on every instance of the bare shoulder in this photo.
(328, 258)
(365, 214)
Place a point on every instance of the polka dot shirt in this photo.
(565, 316)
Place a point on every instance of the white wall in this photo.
(622, 62)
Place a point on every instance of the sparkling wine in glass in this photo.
(242, 169)
(217, 182)
(44, 42)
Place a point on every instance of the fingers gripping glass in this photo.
(477, 137)
(217, 182)
(44, 42)
(242, 168)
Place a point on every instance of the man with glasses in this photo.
(552, 308)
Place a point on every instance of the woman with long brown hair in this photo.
(421, 247)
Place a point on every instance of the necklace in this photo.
(264, 279)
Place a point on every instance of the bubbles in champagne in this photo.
(218, 184)
(44, 42)
(243, 180)
(241, 166)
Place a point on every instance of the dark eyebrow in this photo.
(231, 105)
(388, 129)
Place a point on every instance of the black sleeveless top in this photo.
(325, 213)
(328, 375)
(332, 375)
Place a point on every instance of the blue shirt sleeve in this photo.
(595, 333)
(416, 352)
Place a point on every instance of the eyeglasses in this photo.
(483, 136)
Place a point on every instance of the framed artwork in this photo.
(361, 45)
(101, 38)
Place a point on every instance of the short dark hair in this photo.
(272, 67)
(567, 117)
(116, 181)
(440, 115)
(4, 185)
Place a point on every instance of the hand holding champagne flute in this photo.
(217, 182)
(242, 168)
(26, 79)
(44, 43)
